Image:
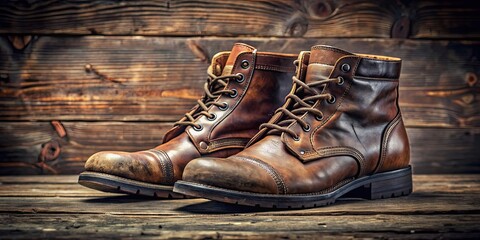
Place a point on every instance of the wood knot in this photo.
(401, 28)
(297, 25)
(20, 42)
(320, 9)
(471, 79)
(468, 98)
(50, 151)
(298, 29)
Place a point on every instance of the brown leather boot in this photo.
(243, 90)
(340, 134)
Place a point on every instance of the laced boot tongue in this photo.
(237, 49)
(322, 61)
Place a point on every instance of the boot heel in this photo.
(385, 185)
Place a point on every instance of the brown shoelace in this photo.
(310, 93)
(214, 87)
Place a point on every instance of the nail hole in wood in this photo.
(471, 79)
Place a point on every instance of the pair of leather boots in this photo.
(256, 138)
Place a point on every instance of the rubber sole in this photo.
(110, 183)
(378, 186)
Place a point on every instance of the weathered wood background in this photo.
(77, 77)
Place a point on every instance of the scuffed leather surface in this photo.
(230, 173)
(140, 166)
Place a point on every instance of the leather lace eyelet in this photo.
(213, 117)
(306, 128)
(234, 94)
(240, 78)
(245, 64)
(345, 67)
(198, 129)
(341, 81)
(331, 100)
(224, 107)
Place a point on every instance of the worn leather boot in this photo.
(243, 90)
(339, 134)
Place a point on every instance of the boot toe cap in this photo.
(232, 174)
(135, 166)
(107, 162)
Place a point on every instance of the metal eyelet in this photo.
(319, 118)
(306, 128)
(341, 81)
(203, 145)
(245, 64)
(240, 78)
(331, 100)
(224, 107)
(345, 67)
(296, 138)
(198, 129)
(214, 116)
(234, 94)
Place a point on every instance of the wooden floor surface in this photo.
(442, 206)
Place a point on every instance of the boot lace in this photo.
(214, 87)
(303, 101)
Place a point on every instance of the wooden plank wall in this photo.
(80, 77)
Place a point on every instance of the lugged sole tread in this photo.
(114, 184)
(379, 186)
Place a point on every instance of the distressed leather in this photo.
(266, 82)
(360, 133)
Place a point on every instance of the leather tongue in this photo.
(237, 49)
(322, 61)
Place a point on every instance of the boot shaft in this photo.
(360, 117)
(264, 81)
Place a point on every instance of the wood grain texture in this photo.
(158, 79)
(452, 19)
(21, 143)
(441, 206)
(277, 18)
(244, 227)
(433, 150)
